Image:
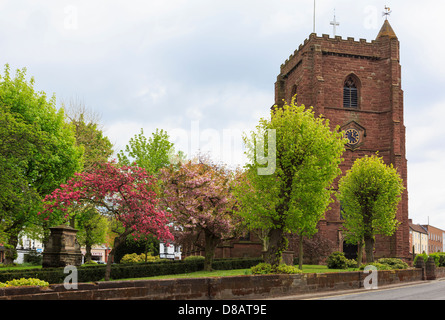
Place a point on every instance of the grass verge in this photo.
(237, 272)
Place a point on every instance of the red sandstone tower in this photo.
(357, 85)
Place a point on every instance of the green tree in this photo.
(38, 153)
(152, 154)
(92, 228)
(63, 157)
(370, 193)
(89, 133)
(292, 194)
(18, 141)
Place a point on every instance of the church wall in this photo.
(318, 70)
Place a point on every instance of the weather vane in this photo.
(387, 12)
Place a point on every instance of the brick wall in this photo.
(239, 287)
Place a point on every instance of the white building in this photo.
(26, 246)
(418, 238)
(169, 251)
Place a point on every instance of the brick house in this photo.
(357, 86)
(435, 238)
(418, 239)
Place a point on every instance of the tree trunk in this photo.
(368, 234)
(210, 244)
(108, 268)
(146, 251)
(117, 241)
(369, 249)
(277, 244)
(88, 243)
(87, 253)
(72, 221)
(359, 253)
(11, 249)
(300, 253)
(263, 235)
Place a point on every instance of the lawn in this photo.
(323, 269)
(19, 267)
(200, 274)
(237, 272)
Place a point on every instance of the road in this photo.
(431, 290)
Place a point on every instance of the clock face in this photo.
(353, 136)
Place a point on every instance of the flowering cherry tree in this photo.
(123, 193)
(199, 197)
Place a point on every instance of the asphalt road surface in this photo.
(431, 290)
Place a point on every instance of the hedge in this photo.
(132, 270)
(439, 258)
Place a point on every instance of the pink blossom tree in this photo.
(122, 193)
(199, 197)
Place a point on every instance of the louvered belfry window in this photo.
(350, 94)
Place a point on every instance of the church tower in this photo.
(357, 86)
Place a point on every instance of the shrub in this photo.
(24, 282)
(89, 263)
(261, 268)
(131, 258)
(387, 264)
(194, 258)
(337, 260)
(393, 263)
(442, 260)
(424, 256)
(282, 268)
(138, 258)
(33, 258)
(437, 256)
(266, 268)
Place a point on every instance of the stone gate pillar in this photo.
(421, 265)
(62, 248)
(430, 269)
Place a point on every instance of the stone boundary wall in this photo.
(237, 287)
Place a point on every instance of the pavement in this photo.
(342, 293)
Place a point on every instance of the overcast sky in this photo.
(204, 70)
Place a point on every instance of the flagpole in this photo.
(314, 18)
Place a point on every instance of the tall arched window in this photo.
(350, 93)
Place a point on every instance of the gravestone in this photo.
(62, 248)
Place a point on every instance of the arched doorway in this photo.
(350, 250)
